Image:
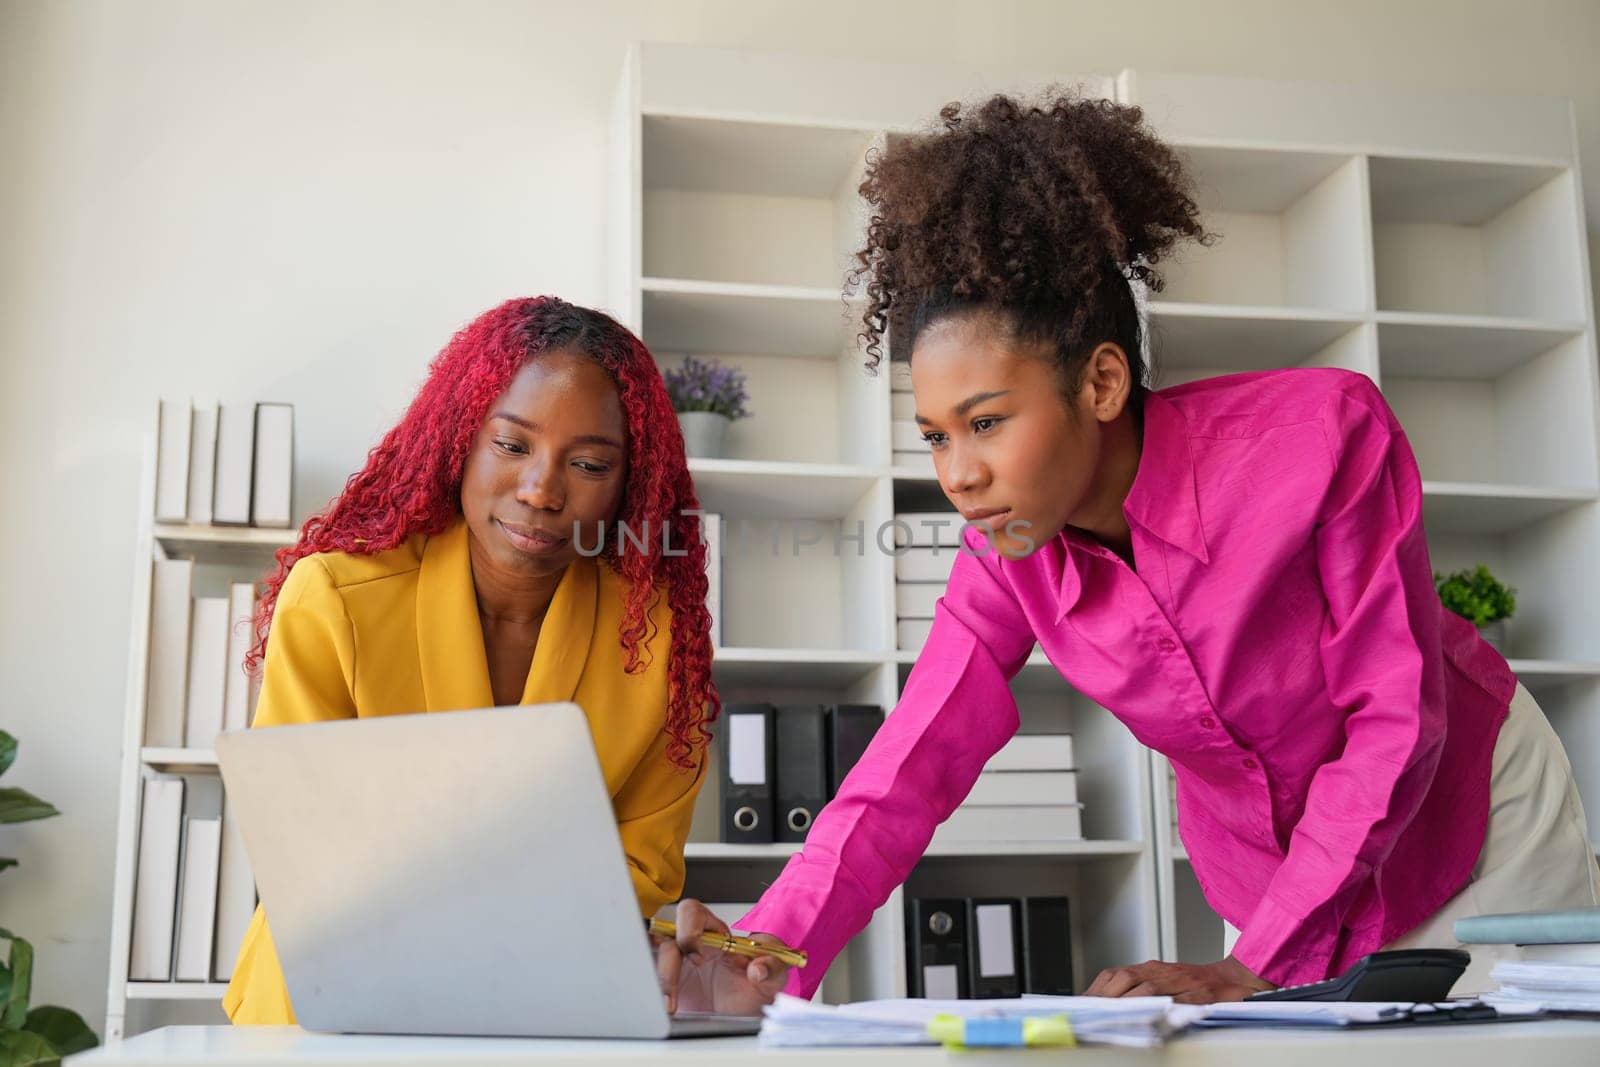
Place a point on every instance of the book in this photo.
(272, 501)
(916, 600)
(930, 564)
(236, 898)
(172, 461)
(155, 892)
(1033, 822)
(202, 462)
(912, 634)
(1001, 788)
(236, 445)
(914, 463)
(208, 672)
(1034, 752)
(236, 697)
(1570, 926)
(197, 899)
(926, 528)
(906, 436)
(166, 689)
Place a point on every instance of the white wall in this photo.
(302, 200)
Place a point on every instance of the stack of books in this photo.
(926, 545)
(1028, 791)
(910, 451)
(197, 686)
(227, 464)
(194, 894)
(1559, 968)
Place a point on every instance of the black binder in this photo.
(994, 947)
(936, 949)
(745, 744)
(1047, 946)
(802, 779)
(850, 729)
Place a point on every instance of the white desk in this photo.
(1532, 1044)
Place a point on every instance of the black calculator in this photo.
(1421, 976)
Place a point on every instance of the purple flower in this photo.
(706, 385)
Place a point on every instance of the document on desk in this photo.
(1316, 1014)
(1569, 987)
(1134, 1022)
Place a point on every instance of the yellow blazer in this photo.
(398, 632)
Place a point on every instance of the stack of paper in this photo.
(1552, 986)
(1134, 1022)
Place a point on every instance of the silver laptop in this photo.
(455, 873)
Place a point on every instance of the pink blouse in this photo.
(1331, 726)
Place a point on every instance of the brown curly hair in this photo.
(1042, 211)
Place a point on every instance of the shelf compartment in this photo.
(1464, 347)
(1476, 238)
(1468, 507)
(1218, 337)
(748, 201)
(683, 315)
(712, 155)
(1532, 426)
(1291, 227)
(1557, 619)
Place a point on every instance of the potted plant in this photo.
(45, 1034)
(1477, 596)
(707, 396)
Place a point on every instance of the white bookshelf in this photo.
(220, 553)
(1445, 240)
(1434, 246)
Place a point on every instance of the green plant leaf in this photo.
(14, 1009)
(19, 805)
(8, 751)
(63, 1028)
(7, 861)
(19, 1048)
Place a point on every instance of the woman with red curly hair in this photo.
(479, 560)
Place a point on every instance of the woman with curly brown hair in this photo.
(479, 560)
(1235, 568)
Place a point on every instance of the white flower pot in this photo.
(1495, 634)
(703, 433)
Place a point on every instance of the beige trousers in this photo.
(1536, 855)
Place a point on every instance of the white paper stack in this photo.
(1551, 986)
(1028, 791)
(1131, 1022)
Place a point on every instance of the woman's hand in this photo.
(697, 978)
(1188, 983)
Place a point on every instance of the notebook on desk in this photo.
(456, 874)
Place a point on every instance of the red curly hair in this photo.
(412, 485)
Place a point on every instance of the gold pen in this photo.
(742, 946)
